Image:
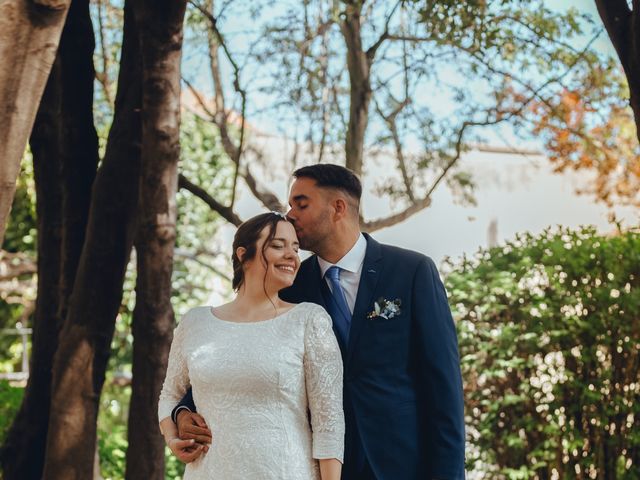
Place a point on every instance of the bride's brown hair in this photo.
(247, 236)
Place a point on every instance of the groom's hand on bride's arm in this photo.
(191, 426)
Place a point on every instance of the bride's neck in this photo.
(253, 297)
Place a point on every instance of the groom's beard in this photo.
(314, 240)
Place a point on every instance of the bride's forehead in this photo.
(285, 229)
(281, 229)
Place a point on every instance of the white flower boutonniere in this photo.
(386, 309)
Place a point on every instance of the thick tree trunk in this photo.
(160, 25)
(623, 27)
(81, 359)
(23, 450)
(359, 66)
(29, 35)
(65, 151)
(80, 146)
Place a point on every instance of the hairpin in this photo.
(280, 214)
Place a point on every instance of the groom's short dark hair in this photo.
(332, 176)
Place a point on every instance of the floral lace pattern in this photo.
(255, 384)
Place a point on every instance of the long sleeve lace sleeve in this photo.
(323, 377)
(176, 380)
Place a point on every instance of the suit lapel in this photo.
(307, 286)
(371, 269)
(314, 283)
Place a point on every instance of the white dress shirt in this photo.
(351, 265)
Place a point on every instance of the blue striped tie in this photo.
(341, 315)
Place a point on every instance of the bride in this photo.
(258, 366)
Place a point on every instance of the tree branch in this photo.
(236, 85)
(195, 256)
(412, 209)
(103, 77)
(220, 118)
(617, 17)
(267, 198)
(371, 52)
(199, 99)
(225, 212)
(390, 120)
(409, 38)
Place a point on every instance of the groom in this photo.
(402, 385)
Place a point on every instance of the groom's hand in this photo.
(192, 426)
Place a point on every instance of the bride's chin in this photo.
(282, 283)
(286, 284)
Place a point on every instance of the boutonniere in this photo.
(386, 309)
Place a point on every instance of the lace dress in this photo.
(255, 385)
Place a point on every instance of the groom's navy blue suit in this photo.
(402, 383)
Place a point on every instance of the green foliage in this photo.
(112, 434)
(17, 293)
(10, 344)
(20, 235)
(549, 330)
(198, 258)
(10, 399)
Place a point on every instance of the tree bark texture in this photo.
(84, 343)
(29, 34)
(359, 67)
(22, 454)
(80, 146)
(64, 144)
(623, 26)
(160, 25)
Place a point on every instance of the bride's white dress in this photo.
(255, 385)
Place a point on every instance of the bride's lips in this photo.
(287, 268)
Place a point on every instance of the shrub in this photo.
(549, 332)
(10, 399)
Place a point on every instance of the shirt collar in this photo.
(352, 261)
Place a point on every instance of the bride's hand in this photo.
(186, 450)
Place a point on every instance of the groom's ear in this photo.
(340, 206)
(240, 252)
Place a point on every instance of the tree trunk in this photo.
(81, 359)
(29, 35)
(623, 27)
(65, 151)
(23, 450)
(80, 146)
(359, 66)
(160, 25)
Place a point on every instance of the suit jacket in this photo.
(402, 382)
(403, 388)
